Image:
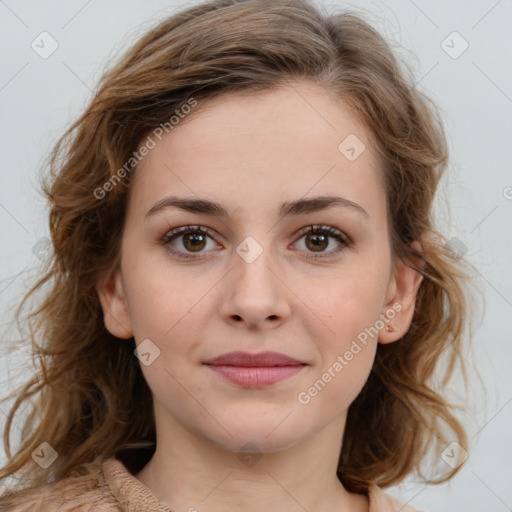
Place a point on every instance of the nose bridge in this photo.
(254, 291)
(252, 261)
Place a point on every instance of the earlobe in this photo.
(112, 297)
(404, 285)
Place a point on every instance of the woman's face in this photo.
(258, 281)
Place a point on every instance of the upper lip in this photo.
(259, 359)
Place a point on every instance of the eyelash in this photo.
(345, 241)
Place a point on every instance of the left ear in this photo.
(401, 299)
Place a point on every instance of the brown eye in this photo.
(194, 242)
(317, 242)
(317, 239)
(185, 241)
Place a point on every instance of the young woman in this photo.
(249, 300)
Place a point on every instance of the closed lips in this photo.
(262, 359)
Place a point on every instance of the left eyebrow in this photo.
(298, 207)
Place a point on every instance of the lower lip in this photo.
(256, 377)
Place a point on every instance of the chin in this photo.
(265, 435)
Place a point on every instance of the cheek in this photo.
(346, 351)
(172, 319)
(164, 300)
(347, 302)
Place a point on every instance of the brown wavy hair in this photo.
(89, 398)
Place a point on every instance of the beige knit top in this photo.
(108, 486)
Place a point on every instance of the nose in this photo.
(255, 295)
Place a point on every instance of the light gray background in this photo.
(40, 97)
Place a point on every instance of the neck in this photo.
(189, 472)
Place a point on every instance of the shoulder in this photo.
(84, 491)
(381, 501)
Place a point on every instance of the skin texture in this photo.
(250, 153)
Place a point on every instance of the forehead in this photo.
(249, 150)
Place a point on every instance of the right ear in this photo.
(116, 314)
